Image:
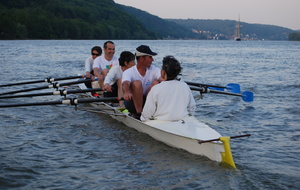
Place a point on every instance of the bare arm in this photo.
(99, 76)
(126, 90)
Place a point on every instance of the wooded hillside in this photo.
(104, 19)
(68, 19)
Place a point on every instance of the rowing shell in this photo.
(183, 134)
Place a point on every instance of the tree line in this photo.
(104, 19)
(68, 19)
(294, 36)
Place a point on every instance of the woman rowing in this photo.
(113, 80)
(171, 99)
(96, 51)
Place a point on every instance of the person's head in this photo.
(126, 59)
(171, 67)
(109, 49)
(145, 53)
(96, 51)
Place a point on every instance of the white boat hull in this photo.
(183, 134)
(159, 131)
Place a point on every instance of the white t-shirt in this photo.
(101, 63)
(89, 64)
(132, 74)
(114, 74)
(169, 100)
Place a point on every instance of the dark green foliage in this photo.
(294, 36)
(68, 19)
(104, 19)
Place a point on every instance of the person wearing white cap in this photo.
(138, 80)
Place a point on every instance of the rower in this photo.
(171, 99)
(113, 80)
(103, 63)
(138, 80)
(96, 51)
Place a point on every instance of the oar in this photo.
(231, 87)
(247, 96)
(72, 101)
(53, 85)
(62, 92)
(233, 137)
(49, 80)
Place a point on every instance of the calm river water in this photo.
(57, 147)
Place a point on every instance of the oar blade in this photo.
(231, 87)
(248, 96)
(215, 88)
(234, 88)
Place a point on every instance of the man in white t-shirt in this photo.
(138, 80)
(103, 63)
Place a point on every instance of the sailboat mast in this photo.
(238, 30)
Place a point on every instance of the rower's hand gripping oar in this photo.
(231, 87)
(48, 80)
(247, 96)
(71, 101)
(53, 85)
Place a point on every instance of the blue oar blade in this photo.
(234, 88)
(215, 88)
(248, 96)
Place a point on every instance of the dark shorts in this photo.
(89, 84)
(129, 105)
(114, 92)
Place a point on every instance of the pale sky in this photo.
(285, 13)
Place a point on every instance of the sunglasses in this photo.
(97, 54)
